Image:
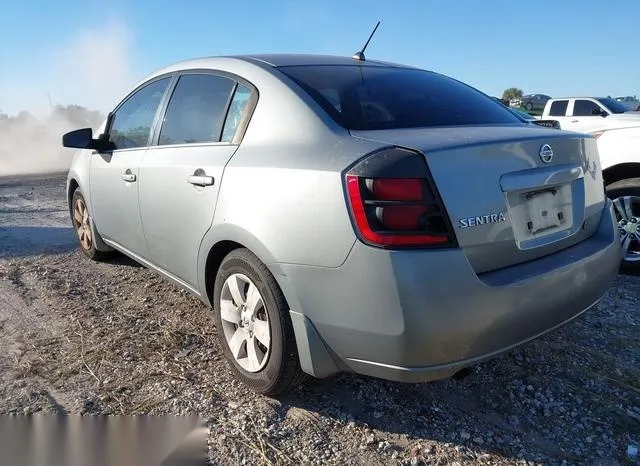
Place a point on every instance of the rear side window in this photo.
(196, 110)
(558, 108)
(132, 122)
(237, 110)
(373, 97)
(584, 108)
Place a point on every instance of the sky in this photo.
(89, 52)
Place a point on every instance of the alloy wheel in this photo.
(82, 224)
(627, 210)
(245, 322)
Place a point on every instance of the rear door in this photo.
(181, 172)
(558, 111)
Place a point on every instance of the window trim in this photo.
(238, 136)
(107, 131)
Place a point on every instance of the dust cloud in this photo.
(84, 78)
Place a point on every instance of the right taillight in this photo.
(394, 202)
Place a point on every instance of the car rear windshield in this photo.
(377, 97)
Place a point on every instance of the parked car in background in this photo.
(534, 101)
(534, 119)
(515, 102)
(631, 102)
(588, 114)
(345, 215)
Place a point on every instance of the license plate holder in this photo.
(541, 212)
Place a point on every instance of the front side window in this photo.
(196, 110)
(375, 97)
(132, 122)
(585, 108)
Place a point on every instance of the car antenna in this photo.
(359, 56)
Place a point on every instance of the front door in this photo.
(114, 176)
(585, 116)
(181, 173)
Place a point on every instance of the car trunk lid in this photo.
(513, 194)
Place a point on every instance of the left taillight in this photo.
(394, 203)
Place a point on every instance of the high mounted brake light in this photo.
(394, 203)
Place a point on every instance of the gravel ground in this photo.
(113, 338)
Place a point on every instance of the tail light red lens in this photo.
(386, 222)
(394, 202)
(394, 189)
(401, 217)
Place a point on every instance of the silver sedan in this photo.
(342, 214)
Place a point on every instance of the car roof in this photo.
(276, 60)
(296, 59)
(578, 97)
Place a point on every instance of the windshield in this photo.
(613, 105)
(372, 97)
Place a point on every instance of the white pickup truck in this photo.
(617, 131)
(587, 114)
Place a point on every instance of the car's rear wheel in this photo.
(83, 225)
(626, 201)
(254, 327)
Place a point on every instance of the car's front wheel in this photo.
(253, 325)
(83, 226)
(626, 201)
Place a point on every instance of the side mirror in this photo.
(83, 139)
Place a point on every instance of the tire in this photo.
(84, 228)
(276, 366)
(626, 194)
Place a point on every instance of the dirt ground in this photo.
(113, 338)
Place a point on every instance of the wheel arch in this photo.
(72, 185)
(315, 358)
(621, 171)
(220, 241)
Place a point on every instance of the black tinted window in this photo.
(584, 108)
(558, 108)
(363, 97)
(132, 121)
(196, 109)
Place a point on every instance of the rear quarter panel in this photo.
(291, 199)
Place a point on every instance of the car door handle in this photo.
(574, 121)
(200, 180)
(128, 177)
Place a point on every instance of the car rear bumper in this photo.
(423, 315)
